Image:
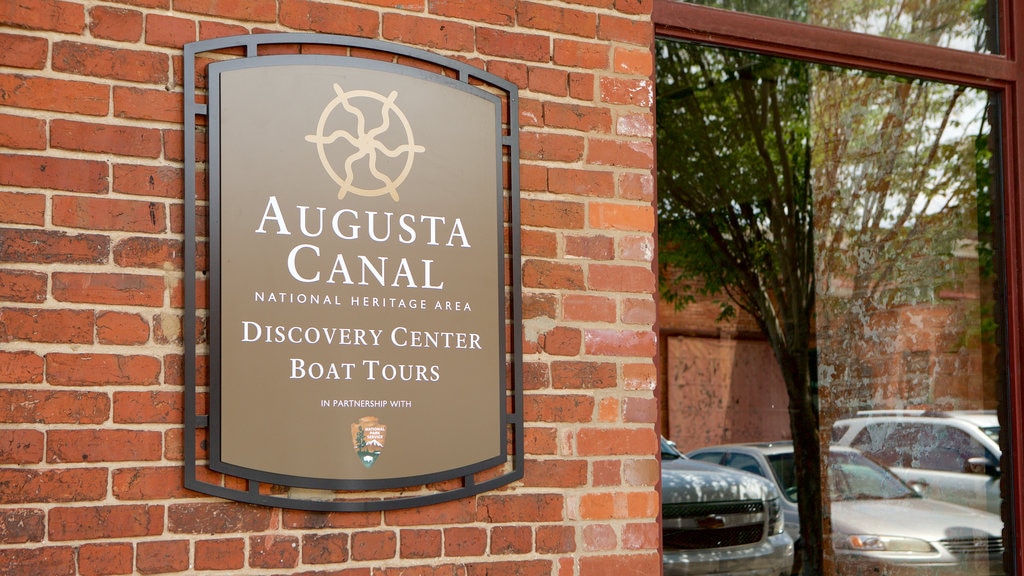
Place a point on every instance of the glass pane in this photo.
(849, 216)
(960, 24)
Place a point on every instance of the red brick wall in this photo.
(91, 150)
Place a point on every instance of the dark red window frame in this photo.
(1002, 73)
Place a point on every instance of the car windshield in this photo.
(851, 476)
(669, 451)
(992, 432)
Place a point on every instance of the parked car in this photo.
(951, 456)
(880, 525)
(716, 520)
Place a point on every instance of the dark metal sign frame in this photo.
(202, 425)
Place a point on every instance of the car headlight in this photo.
(874, 543)
(776, 524)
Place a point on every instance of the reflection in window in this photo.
(960, 24)
(850, 213)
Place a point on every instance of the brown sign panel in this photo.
(358, 273)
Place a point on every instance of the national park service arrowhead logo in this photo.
(370, 140)
(368, 439)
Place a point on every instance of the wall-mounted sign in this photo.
(361, 303)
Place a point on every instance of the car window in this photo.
(744, 462)
(838, 431)
(785, 474)
(920, 445)
(712, 457)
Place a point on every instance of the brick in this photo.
(554, 275)
(18, 51)
(48, 560)
(118, 24)
(580, 55)
(127, 289)
(424, 543)
(561, 341)
(639, 376)
(102, 445)
(72, 175)
(590, 247)
(498, 12)
(456, 512)
(329, 520)
(550, 147)
(19, 208)
(577, 117)
(465, 541)
(324, 548)
(106, 139)
(558, 408)
(639, 410)
(121, 328)
(327, 18)
(581, 182)
(548, 81)
(53, 407)
(621, 153)
(374, 545)
(619, 278)
(636, 61)
(552, 214)
(148, 408)
(599, 537)
(50, 15)
(162, 556)
(638, 125)
(529, 47)
(622, 216)
(217, 518)
(557, 19)
(55, 485)
(628, 30)
(105, 559)
(169, 31)
(539, 305)
(540, 441)
(93, 522)
(635, 92)
(147, 252)
(620, 565)
(608, 473)
(555, 540)
(611, 441)
(112, 214)
(152, 483)
(437, 34)
(221, 554)
(50, 247)
(555, 473)
(46, 325)
(24, 133)
(22, 285)
(643, 311)
(538, 243)
(588, 308)
(19, 446)
(101, 370)
(520, 508)
(582, 86)
(637, 248)
(144, 104)
(140, 180)
(107, 62)
(22, 525)
(511, 540)
(620, 343)
(246, 10)
(208, 30)
(583, 375)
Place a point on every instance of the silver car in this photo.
(951, 456)
(879, 524)
(716, 520)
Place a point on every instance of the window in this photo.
(868, 189)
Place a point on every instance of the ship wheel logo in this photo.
(377, 158)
